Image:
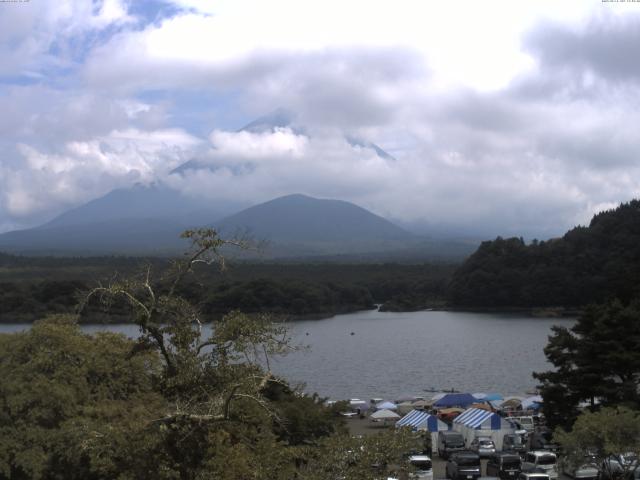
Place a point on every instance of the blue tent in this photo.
(493, 396)
(462, 400)
(421, 420)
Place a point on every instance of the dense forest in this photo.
(588, 264)
(34, 286)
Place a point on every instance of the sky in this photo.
(501, 117)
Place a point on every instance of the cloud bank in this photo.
(520, 127)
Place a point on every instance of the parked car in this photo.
(583, 471)
(504, 465)
(533, 476)
(541, 462)
(463, 466)
(525, 423)
(449, 442)
(543, 441)
(423, 467)
(512, 442)
(483, 446)
(614, 466)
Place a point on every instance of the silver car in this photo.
(483, 446)
(585, 469)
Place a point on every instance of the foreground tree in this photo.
(72, 405)
(180, 402)
(597, 361)
(352, 458)
(604, 438)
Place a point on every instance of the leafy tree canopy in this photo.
(596, 361)
(588, 264)
(601, 438)
(172, 404)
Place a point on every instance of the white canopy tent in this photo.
(386, 406)
(384, 416)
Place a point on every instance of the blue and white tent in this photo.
(476, 422)
(420, 420)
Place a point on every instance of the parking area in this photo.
(439, 466)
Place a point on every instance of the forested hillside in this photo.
(31, 287)
(588, 264)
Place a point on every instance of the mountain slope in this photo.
(301, 219)
(141, 202)
(139, 220)
(123, 236)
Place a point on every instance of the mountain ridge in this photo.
(293, 226)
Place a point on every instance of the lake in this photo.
(396, 354)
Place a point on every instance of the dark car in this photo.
(504, 465)
(543, 441)
(512, 442)
(463, 466)
(449, 442)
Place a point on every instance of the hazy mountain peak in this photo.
(279, 118)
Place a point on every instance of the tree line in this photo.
(588, 264)
(293, 290)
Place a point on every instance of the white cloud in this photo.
(247, 145)
(468, 43)
(82, 170)
(488, 129)
(29, 31)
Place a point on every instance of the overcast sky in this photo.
(504, 116)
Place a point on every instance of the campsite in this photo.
(475, 415)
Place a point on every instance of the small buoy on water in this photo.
(353, 333)
(307, 334)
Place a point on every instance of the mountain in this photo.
(586, 265)
(270, 123)
(299, 218)
(298, 225)
(155, 201)
(149, 220)
(139, 220)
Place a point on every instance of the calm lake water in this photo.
(396, 354)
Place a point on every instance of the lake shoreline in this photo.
(538, 312)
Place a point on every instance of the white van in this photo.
(541, 461)
(525, 422)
